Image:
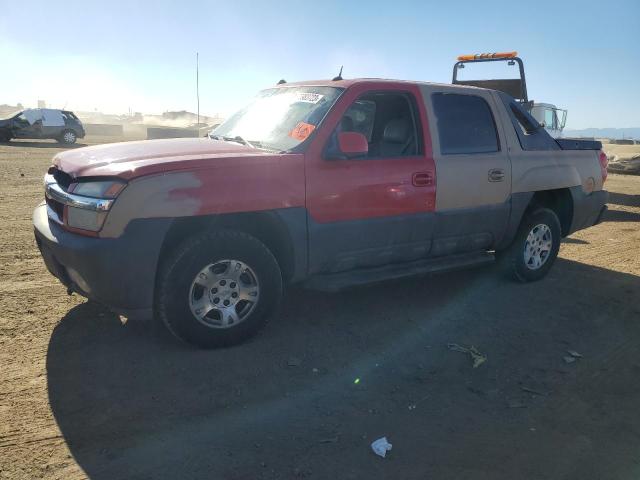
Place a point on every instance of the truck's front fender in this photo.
(235, 186)
(153, 197)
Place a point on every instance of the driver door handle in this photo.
(496, 175)
(422, 179)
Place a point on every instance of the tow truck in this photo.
(552, 118)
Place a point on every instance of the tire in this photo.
(68, 137)
(535, 248)
(5, 137)
(200, 276)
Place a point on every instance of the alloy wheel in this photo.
(224, 293)
(537, 247)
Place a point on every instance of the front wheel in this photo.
(535, 248)
(218, 289)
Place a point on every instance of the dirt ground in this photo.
(623, 158)
(85, 394)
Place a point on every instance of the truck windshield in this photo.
(279, 118)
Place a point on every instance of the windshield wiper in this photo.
(236, 139)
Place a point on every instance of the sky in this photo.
(114, 56)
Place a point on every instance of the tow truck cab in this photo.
(552, 117)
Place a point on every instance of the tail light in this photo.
(604, 161)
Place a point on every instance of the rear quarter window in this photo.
(531, 135)
(465, 124)
(69, 115)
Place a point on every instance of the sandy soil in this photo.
(83, 394)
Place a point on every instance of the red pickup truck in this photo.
(326, 183)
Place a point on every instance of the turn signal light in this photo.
(482, 56)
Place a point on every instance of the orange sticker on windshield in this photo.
(301, 131)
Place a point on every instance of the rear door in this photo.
(377, 209)
(473, 168)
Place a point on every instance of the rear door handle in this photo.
(422, 179)
(496, 175)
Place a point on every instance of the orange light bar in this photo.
(481, 56)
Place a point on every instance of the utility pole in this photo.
(198, 86)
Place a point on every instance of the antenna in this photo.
(198, 85)
(339, 77)
(281, 81)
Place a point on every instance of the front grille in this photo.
(63, 179)
(57, 207)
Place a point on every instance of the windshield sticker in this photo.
(308, 97)
(302, 130)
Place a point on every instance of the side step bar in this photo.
(334, 282)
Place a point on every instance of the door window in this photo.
(52, 118)
(33, 115)
(550, 119)
(388, 120)
(359, 118)
(465, 124)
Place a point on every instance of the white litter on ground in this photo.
(380, 447)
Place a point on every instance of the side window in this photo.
(531, 135)
(549, 119)
(388, 120)
(359, 118)
(465, 124)
(33, 115)
(526, 124)
(69, 116)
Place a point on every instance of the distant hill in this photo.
(604, 133)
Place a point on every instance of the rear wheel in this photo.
(68, 137)
(218, 289)
(535, 248)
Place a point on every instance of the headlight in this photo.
(89, 203)
(98, 189)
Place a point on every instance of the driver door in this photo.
(27, 125)
(376, 209)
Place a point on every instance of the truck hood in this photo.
(133, 159)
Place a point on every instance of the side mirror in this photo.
(352, 144)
